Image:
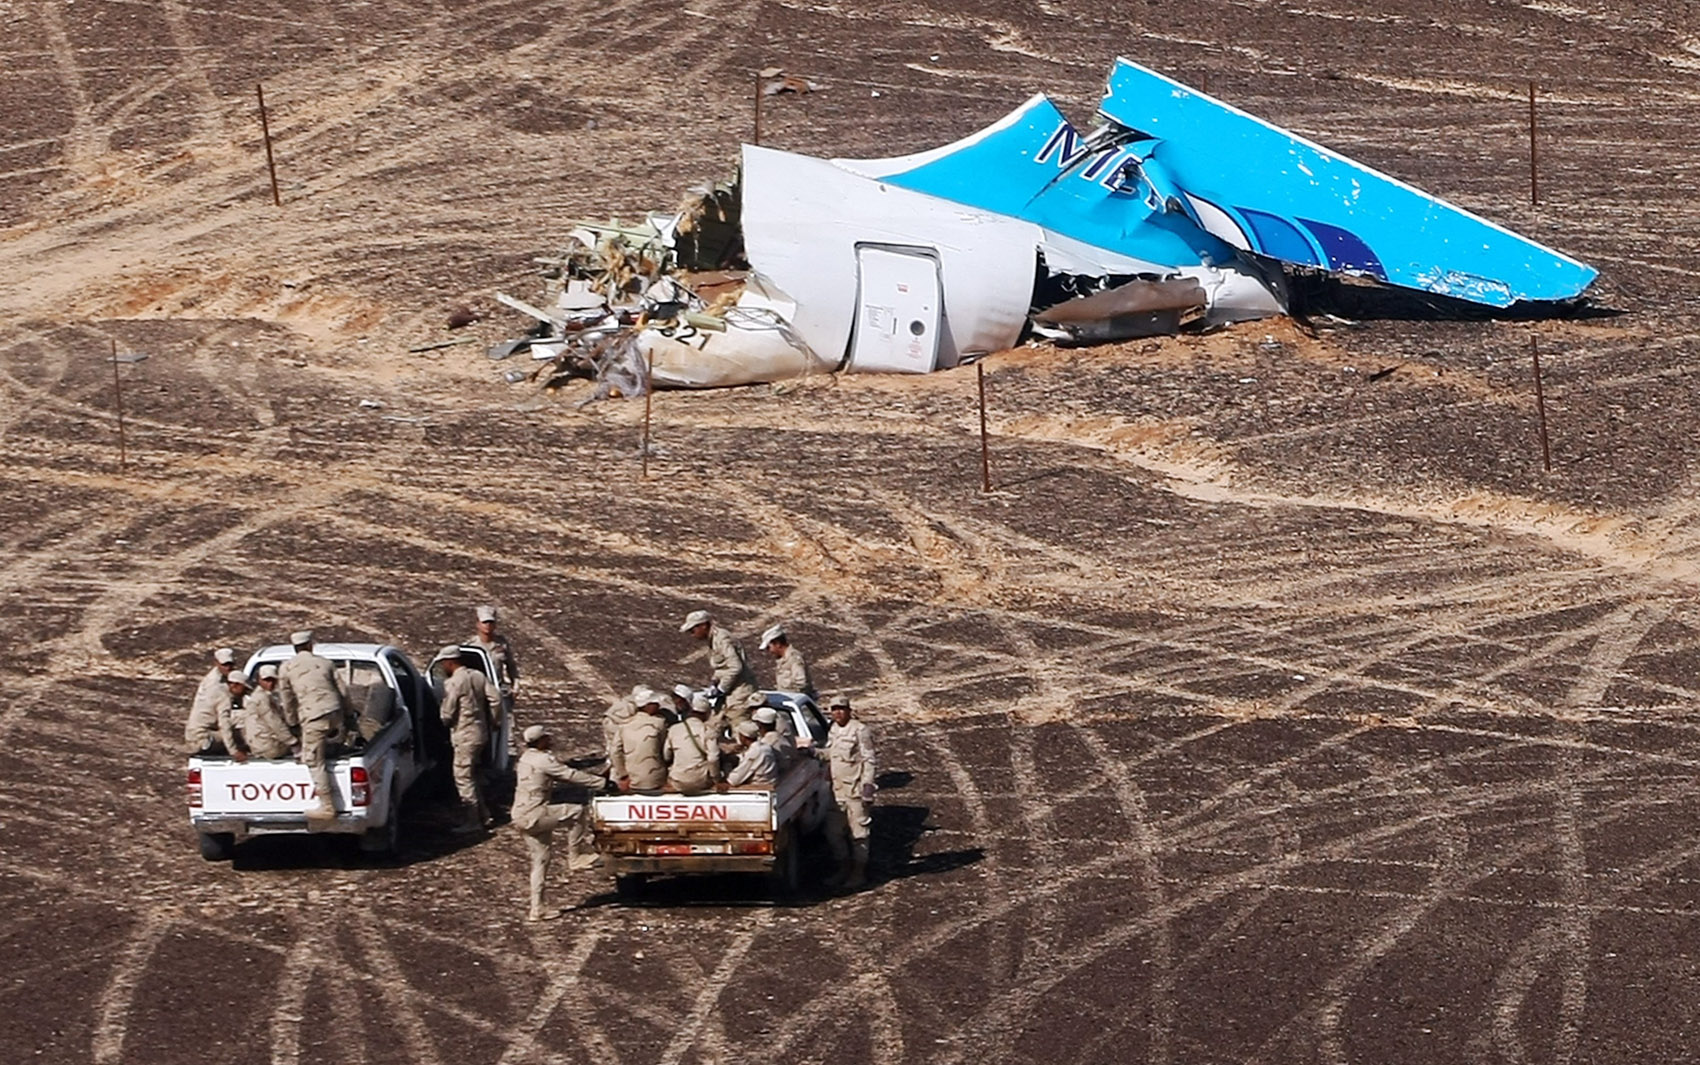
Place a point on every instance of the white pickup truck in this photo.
(736, 831)
(402, 739)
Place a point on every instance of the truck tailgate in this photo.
(259, 788)
(739, 811)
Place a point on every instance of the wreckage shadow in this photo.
(1315, 296)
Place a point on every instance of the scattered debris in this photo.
(128, 357)
(1175, 212)
(371, 404)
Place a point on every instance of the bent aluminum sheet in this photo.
(804, 220)
(1267, 190)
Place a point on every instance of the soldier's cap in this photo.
(748, 729)
(701, 704)
(695, 618)
(486, 612)
(637, 690)
(683, 691)
(533, 733)
(238, 677)
(756, 699)
(268, 672)
(296, 639)
(450, 652)
(225, 656)
(777, 632)
(646, 697)
(839, 701)
(767, 715)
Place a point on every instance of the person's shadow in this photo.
(897, 829)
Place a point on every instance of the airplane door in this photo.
(897, 312)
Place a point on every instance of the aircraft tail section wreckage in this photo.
(1175, 211)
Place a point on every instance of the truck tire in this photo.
(385, 840)
(218, 846)
(786, 876)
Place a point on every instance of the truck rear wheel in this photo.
(385, 840)
(786, 876)
(218, 846)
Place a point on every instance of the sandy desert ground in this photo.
(1276, 706)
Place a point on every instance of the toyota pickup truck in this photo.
(400, 740)
(736, 831)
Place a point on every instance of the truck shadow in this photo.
(426, 837)
(896, 830)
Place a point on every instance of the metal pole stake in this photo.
(985, 448)
(266, 132)
(1541, 402)
(118, 402)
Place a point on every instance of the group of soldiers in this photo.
(298, 709)
(695, 741)
(682, 740)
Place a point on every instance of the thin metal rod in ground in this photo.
(985, 448)
(757, 140)
(648, 392)
(1534, 156)
(1541, 402)
(118, 404)
(266, 133)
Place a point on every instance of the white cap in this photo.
(486, 612)
(777, 632)
(646, 696)
(268, 672)
(749, 729)
(637, 690)
(225, 656)
(450, 650)
(296, 639)
(683, 691)
(695, 618)
(533, 733)
(702, 704)
(236, 676)
(767, 715)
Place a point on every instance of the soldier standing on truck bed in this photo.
(263, 724)
(849, 751)
(693, 758)
(618, 713)
(790, 669)
(504, 666)
(636, 761)
(537, 818)
(307, 687)
(207, 731)
(466, 712)
(733, 677)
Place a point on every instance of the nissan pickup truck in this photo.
(400, 739)
(641, 836)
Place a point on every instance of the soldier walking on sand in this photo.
(263, 723)
(208, 728)
(790, 669)
(537, 818)
(466, 712)
(733, 677)
(306, 685)
(849, 751)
